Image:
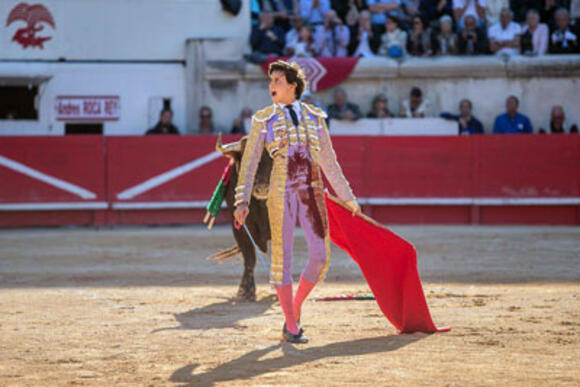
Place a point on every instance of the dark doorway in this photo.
(84, 128)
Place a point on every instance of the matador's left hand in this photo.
(354, 206)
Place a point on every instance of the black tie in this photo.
(293, 115)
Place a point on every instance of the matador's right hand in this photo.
(240, 215)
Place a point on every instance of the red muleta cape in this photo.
(388, 263)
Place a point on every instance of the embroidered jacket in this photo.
(272, 131)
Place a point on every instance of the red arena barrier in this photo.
(489, 179)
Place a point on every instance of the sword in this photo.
(257, 249)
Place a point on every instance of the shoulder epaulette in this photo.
(314, 110)
(265, 114)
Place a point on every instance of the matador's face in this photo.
(280, 90)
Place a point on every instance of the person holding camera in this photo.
(472, 40)
(332, 38)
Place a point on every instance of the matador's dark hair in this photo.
(293, 73)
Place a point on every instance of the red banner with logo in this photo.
(321, 73)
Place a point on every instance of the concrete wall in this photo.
(140, 88)
(539, 83)
(121, 29)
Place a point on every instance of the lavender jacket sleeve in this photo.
(329, 164)
(250, 160)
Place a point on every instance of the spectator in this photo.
(434, 9)
(313, 11)
(239, 125)
(512, 121)
(548, 11)
(364, 39)
(341, 109)
(267, 38)
(504, 37)
(293, 33)
(331, 39)
(462, 8)
(415, 106)
(563, 40)
(164, 125)
(206, 125)
(493, 9)
(575, 12)
(380, 107)
(535, 35)
(348, 10)
(305, 46)
(379, 10)
(420, 41)
(521, 7)
(472, 40)
(394, 41)
(411, 8)
(467, 123)
(446, 39)
(280, 10)
(558, 122)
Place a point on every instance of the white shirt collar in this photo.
(295, 105)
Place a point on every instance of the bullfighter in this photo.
(296, 136)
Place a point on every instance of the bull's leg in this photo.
(247, 289)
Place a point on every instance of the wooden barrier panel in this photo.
(169, 179)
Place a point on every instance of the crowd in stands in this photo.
(416, 106)
(395, 28)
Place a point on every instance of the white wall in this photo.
(122, 29)
(135, 84)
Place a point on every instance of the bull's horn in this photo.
(218, 144)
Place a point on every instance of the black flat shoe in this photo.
(299, 338)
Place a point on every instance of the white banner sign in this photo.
(395, 127)
(88, 108)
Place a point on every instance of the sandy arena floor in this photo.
(141, 306)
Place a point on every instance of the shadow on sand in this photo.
(249, 365)
(220, 315)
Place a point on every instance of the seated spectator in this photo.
(394, 41)
(341, 109)
(463, 8)
(504, 37)
(280, 10)
(239, 125)
(512, 121)
(420, 42)
(446, 40)
(411, 9)
(313, 11)
(520, 8)
(467, 123)
(416, 106)
(535, 35)
(293, 33)
(164, 125)
(379, 10)
(548, 11)
(307, 97)
(472, 39)
(493, 9)
(267, 38)
(558, 122)
(305, 46)
(348, 10)
(563, 40)
(332, 38)
(364, 39)
(206, 125)
(434, 9)
(380, 107)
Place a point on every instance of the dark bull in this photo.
(257, 220)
